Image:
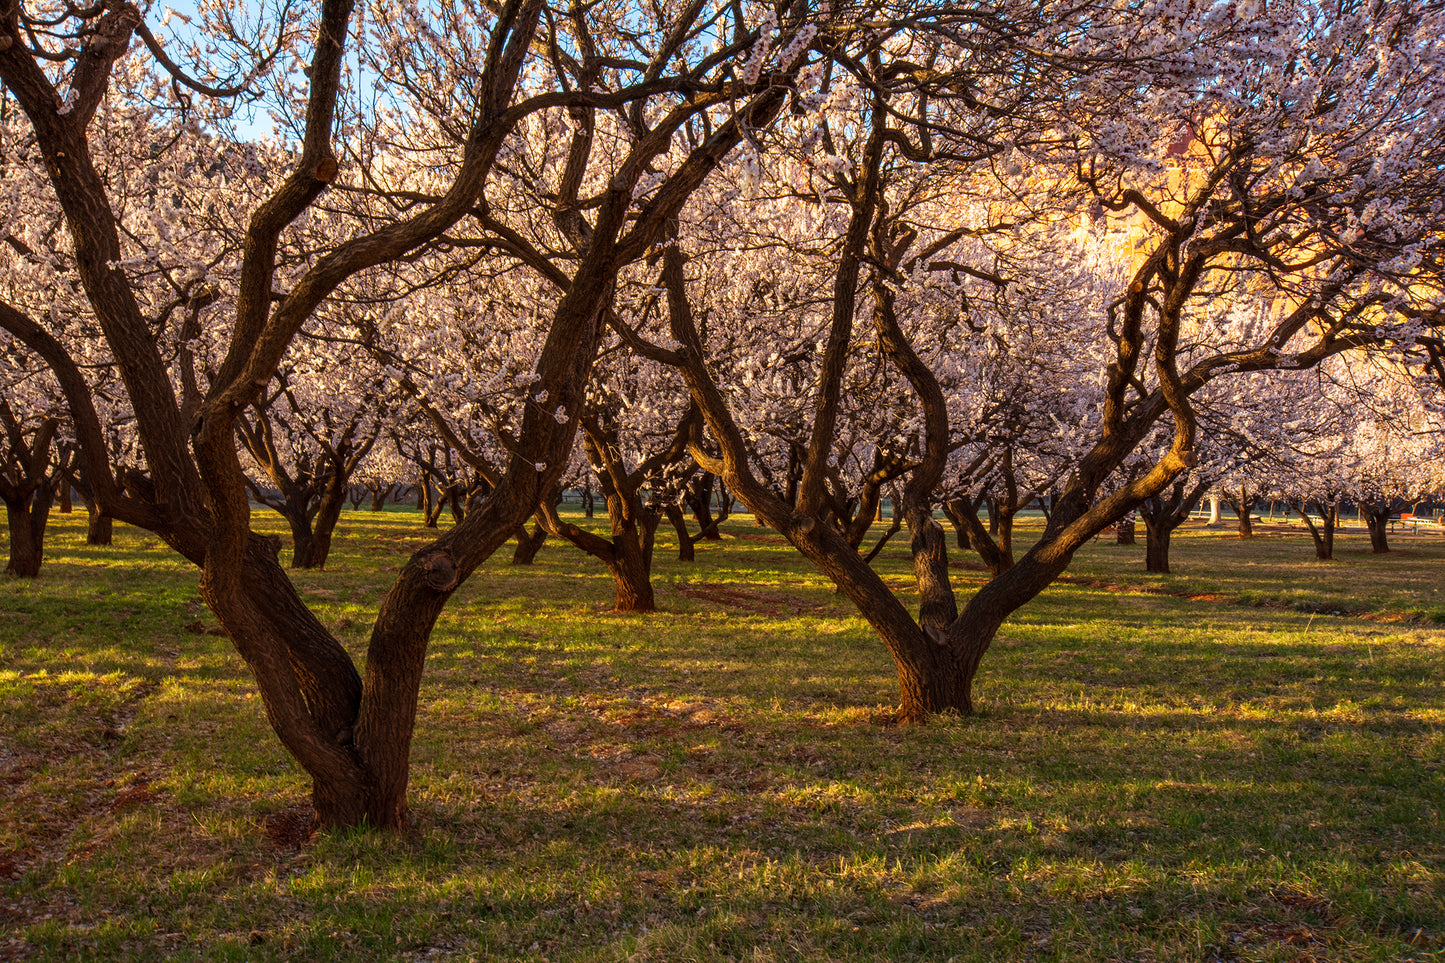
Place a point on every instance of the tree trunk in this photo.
(699, 500)
(633, 583)
(435, 505)
(937, 607)
(99, 528)
(1156, 548)
(324, 525)
(1323, 534)
(686, 544)
(303, 542)
(934, 677)
(1243, 504)
(631, 562)
(528, 545)
(1125, 531)
(1378, 522)
(26, 518)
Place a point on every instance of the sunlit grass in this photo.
(1152, 776)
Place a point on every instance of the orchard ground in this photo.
(1208, 765)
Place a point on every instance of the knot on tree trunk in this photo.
(440, 571)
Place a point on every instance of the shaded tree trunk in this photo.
(99, 529)
(686, 542)
(699, 501)
(379, 494)
(1163, 514)
(631, 568)
(528, 545)
(1323, 533)
(1243, 503)
(1377, 521)
(27, 486)
(972, 533)
(26, 518)
(1156, 548)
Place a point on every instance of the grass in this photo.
(1199, 766)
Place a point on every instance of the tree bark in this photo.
(1243, 504)
(1377, 520)
(26, 518)
(1162, 514)
(1156, 548)
(99, 529)
(1322, 534)
(686, 542)
(528, 545)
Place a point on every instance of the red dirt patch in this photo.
(290, 828)
(138, 794)
(732, 595)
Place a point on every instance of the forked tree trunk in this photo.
(627, 555)
(631, 559)
(1243, 504)
(935, 678)
(1163, 514)
(528, 545)
(1377, 520)
(1322, 534)
(434, 508)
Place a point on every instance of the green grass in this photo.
(1233, 776)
